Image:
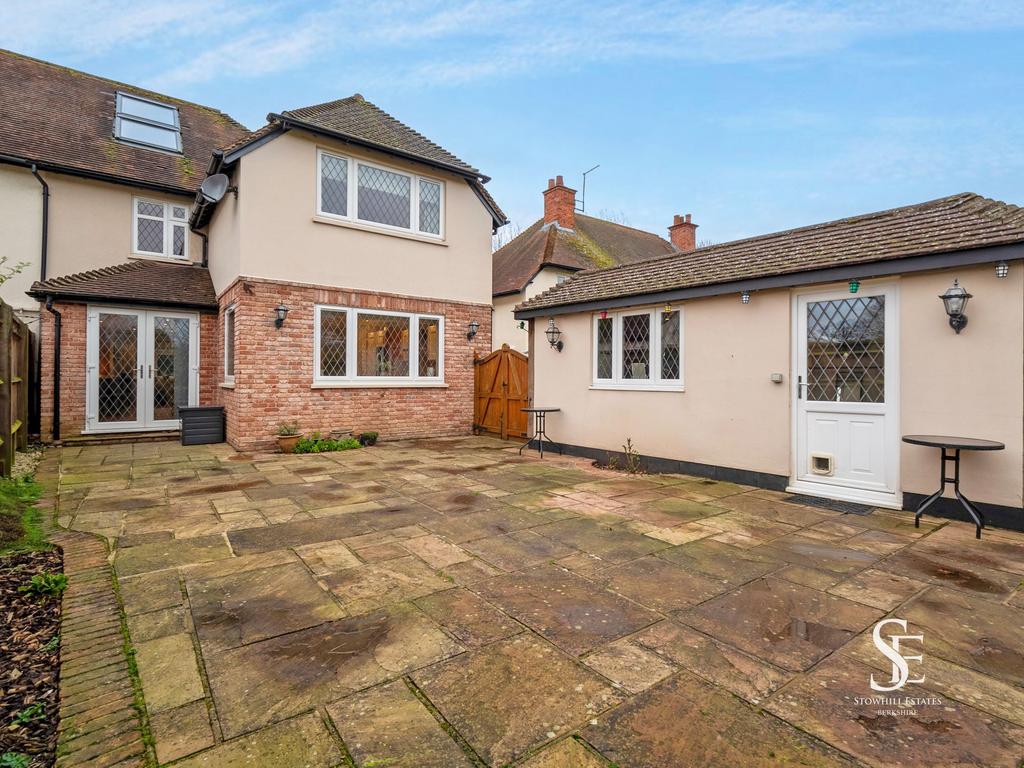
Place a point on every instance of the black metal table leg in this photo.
(967, 504)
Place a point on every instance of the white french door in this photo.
(846, 419)
(141, 367)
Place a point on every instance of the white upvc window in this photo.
(356, 190)
(146, 122)
(159, 229)
(638, 349)
(377, 347)
(229, 345)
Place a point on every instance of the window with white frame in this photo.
(353, 346)
(146, 122)
(638, 348)
(159, 229)
(360, 191)
(229, 345)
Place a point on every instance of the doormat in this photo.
(846, 507)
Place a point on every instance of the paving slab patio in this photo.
(446, 602)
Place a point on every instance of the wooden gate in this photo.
(14, 385)
(502, 391)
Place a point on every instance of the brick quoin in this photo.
(274, 368)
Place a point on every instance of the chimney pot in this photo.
(683, 233)
(560, 204)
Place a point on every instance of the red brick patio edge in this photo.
(100, 726)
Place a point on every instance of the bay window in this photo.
(356, 190)
(361, 346)
(638, 349)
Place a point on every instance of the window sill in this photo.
(162, 259)
(227, 385)
(379, 385)
(350, 224)
(639, 387)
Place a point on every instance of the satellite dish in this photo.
(214, 187)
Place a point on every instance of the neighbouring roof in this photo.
(954, 223)
(63, 120)
(137, 282)
(593, 244)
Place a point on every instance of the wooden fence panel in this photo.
(14, 387)
(502, 391)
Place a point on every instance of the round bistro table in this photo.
(950, 448)
(539, 433)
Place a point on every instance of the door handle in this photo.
(800, 387)
(142, 374)
(151, 371)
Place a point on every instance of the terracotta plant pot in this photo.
(287, 443)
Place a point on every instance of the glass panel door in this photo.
(170, 369)
(118, 368)
(846, 350)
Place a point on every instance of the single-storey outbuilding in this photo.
(797, 360)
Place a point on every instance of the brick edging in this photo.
(100, 725)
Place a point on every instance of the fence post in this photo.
(7, 449)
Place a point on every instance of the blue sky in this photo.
(754, 116)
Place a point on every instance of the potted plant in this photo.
(367, 438)
(287, 436)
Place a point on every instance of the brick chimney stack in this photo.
(560, 204)
(683, 233)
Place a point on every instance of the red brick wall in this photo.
(683, 233)
(560, 204)
(274, 369)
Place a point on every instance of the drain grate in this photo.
(847, 507)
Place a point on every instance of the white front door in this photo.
(142, 365)
(846, 442)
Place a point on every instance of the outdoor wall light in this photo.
(745, 297)
(553, 335)
(604, 314)
(282, 312)
(1002, 269)
(473, 327)
(668, 309)
(955, 301)
(854, 286)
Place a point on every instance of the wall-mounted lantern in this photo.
(554, 334)
(282, 312)
(1002, 269)
(955, 301)
(854, 286)
(668, 309)
(745, 297)
(472, 328)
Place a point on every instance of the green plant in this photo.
(612, 462)
(289, 429)
(14, 760)
(20, 521)
(368, 438)
(317, 444)
(30, 714)
(46, 585)
(632, 458)
(52, 644)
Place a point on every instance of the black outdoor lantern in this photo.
(955, 300)
(553, 335)
(282, 312)
(745, 297)
(473, 327)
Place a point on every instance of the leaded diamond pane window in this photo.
(150, 235)
(229, 343)
(149, 209)
(117, 398)
(605, 334)
(382, 347)
(429, 347)
(170, 366)
(846, 350)
(430, 207)
(333, 342)
(160, 229)
(334, 185)
(636, 346)
(670, 345)
(178, 246)
(384, 197)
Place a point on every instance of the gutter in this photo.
(97, 176)
(56, 366)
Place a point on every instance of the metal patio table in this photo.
(539, 433)
(946, 444)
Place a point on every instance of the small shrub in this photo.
(30, 714)
(317, 444)
(288, 430)
(368, 438)
(632, 458)
(46, 585)
(14, 760)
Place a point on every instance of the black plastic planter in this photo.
(202, 424)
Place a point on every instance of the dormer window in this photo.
(148, 123)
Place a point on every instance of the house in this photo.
(333, 274)
(797, 360)
(564, 242)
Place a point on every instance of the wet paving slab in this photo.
(297, 533)
(375, 585)
(518, 550)
(468, 618)
(514, 695)
(940, 568)
(724, 563)
(826, 556)
(566, 609)
(607, 542)
(786, 624)
(659, 584)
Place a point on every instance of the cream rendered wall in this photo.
(91, 224)
(225, 233)
(282, 239)
(731, 415)
(506, 328)
(21, 207)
